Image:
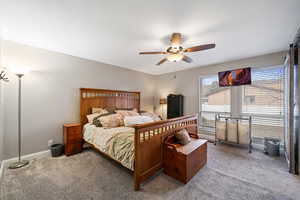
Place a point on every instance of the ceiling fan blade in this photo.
(162, 61)
(176, 39)
(187, 59)
(154, 52)
(200, 48)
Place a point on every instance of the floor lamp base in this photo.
(18, 164)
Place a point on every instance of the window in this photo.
(249, 100)
(267, 91)
(213, 99)
(263, 100)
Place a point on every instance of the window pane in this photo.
(263, 99)
(213, 99)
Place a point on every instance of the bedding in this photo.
(125, 113)
(117, 142)
(96, 120)
(108, 134)
(91, 117)
(96, 112)
(134, 120)
(99, 110)
(111, 120)
(150, 114)
(127, 109)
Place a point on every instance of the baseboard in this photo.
(7, 162)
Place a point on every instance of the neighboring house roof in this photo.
(267, 88)
(217, 90)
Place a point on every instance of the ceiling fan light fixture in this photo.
(176, 52)
(175, 57)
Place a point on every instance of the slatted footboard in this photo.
(149, 144)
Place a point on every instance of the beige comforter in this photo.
(116, 142)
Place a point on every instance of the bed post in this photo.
(136, 161)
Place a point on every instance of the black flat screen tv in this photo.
(235, 77)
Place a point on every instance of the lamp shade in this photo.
(20, 71)
(162, 101)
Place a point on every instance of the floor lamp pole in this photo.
(19, 163)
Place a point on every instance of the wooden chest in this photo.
(72, 139)
(182, 162)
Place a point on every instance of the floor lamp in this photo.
(162, 102)
(20, 163)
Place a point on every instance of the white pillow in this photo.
(133, 120)
(99, 110)
(152, 115)
(126, 113)
(92, 116)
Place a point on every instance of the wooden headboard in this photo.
(108, 99)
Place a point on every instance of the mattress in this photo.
(117, 142)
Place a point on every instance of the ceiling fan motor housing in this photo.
(176, 39)
(175, 49)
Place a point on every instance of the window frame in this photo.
(236, 99)
(259, 115)
(208, 129)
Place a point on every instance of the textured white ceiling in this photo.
(114, 31)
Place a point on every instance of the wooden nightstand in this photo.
(72, 139)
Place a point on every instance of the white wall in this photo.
(186, 82)
(51, 93)
(1, 109)
(1, 123)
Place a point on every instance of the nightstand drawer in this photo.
(74, 137)
(73, 148)
(73, 131)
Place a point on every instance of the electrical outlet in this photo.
(50, 142)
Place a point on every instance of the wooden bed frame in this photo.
(149, 137)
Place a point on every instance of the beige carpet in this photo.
(231, 173)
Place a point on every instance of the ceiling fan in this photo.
(176, 52)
